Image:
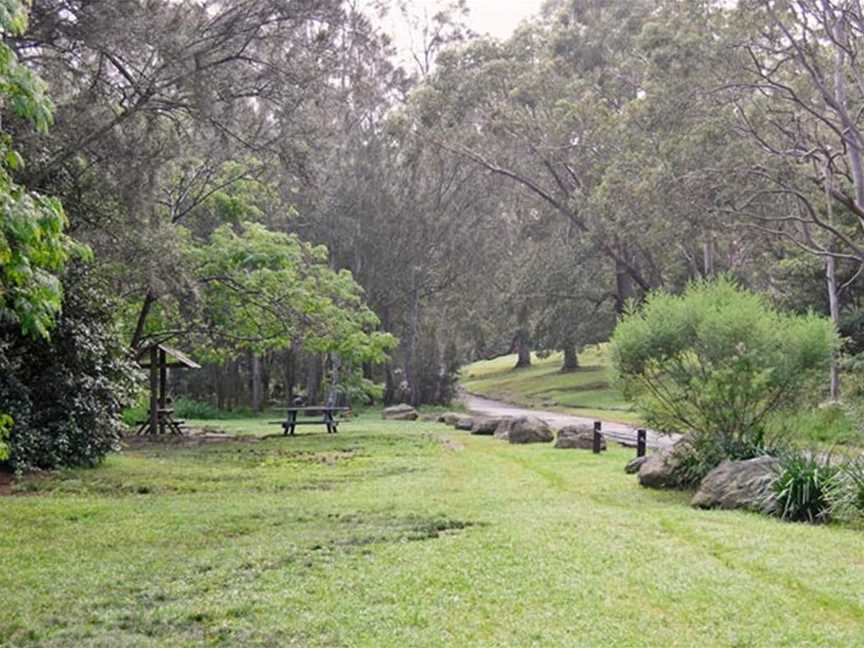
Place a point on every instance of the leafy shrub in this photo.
(716, 362)
(5, 429)
(187, 408)
(848, 498)
(66, 394)
(807, 486)
(137, 412)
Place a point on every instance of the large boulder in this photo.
(486, 426)
(635, 464)
(401, 412)
(464, 423)
(660, 470)
(578, 437)
(449, 418)
(502, 432)
(739, 485)
(529, 429)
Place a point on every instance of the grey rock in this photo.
(486, 426)
(449, 418)
(502, 432)
(529, 429)
(739, 485)
(429, 418)
(464, 423)
(634, 465)
(659, 469)
(400, 413)
(578, 437)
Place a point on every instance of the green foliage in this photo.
(848, 499)
(33, 247)
(188, 408)
(806, 486)
(66, 394)
(716, 361)
(5, 430)
(264, 290)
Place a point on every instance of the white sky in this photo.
(498, 18)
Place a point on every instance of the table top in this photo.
(314, 408)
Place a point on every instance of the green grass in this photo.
(585, 392)
(395, 534)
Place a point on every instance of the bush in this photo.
(66, 395)
(806, 488)
(848, 498)
(717, 361)
(187, 408)
(5, 429)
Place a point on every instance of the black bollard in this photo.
(640, 443)
(598, 438)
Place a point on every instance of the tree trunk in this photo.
(571, 359)
(220, 387)
(290, 376)
(411, 371)
(149, 300)
(708, 255)
(624, 289)
(389, 385)
(257, 384)
(313, 379)
(523, 349)
(154, 390)
(831, 276)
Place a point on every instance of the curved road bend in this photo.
(614, 431)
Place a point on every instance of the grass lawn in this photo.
(585, 392)
(405, 534)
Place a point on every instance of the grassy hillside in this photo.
(392, 534)
(586, 392)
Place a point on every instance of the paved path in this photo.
(614, 431)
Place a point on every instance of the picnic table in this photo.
(325, 416)
(164, 419)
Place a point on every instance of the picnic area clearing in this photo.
(404, 534)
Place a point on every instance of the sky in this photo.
(498, 18)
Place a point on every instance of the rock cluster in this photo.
(401, 412)
(745, 485)
(578, 437)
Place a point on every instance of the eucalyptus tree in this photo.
(157, 100)
(799, 92)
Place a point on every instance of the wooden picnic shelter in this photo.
(159, 358)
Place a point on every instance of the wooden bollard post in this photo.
(640, 442)
(598, 438)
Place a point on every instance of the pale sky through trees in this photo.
(498, 17)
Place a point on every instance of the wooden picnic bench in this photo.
(326, 417)
(164, 420)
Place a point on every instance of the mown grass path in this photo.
(385, 535)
